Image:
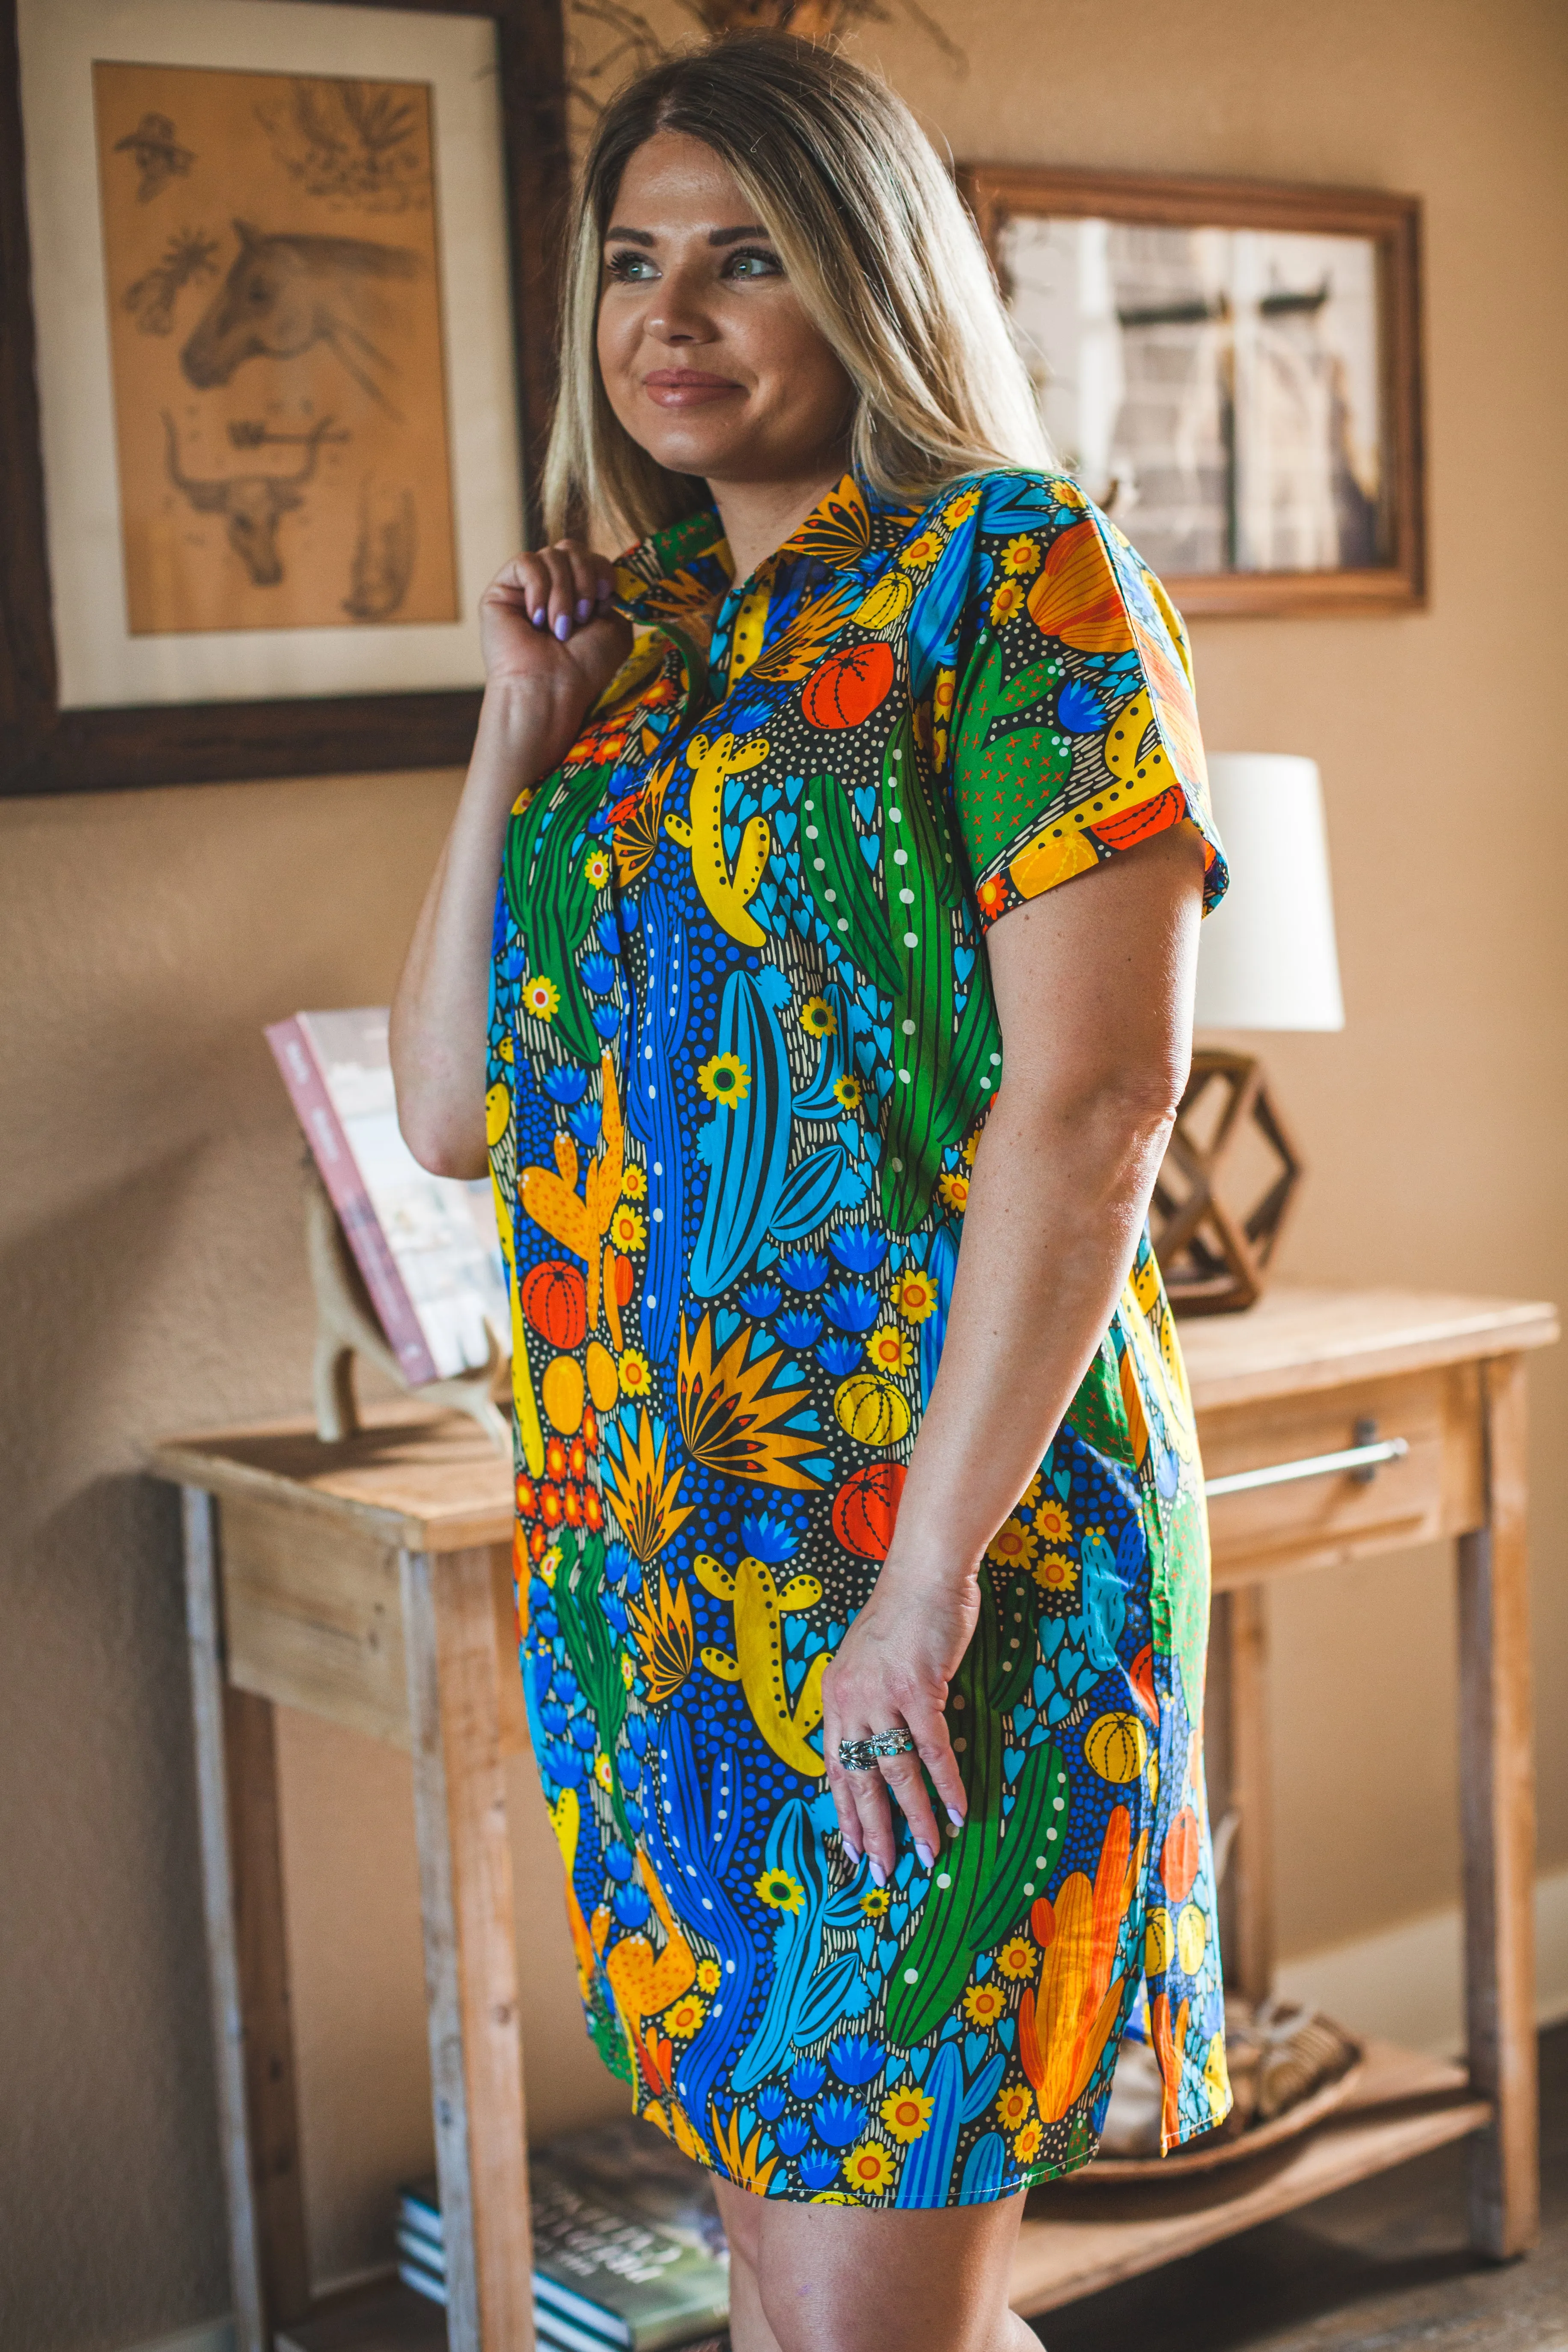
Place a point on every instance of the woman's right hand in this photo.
(546, 623)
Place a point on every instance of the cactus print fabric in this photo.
(741, 1047)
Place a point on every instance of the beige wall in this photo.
(150, 1275)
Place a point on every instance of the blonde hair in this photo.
(881, 252)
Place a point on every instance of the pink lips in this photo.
(687, 387)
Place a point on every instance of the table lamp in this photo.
(1266, 961)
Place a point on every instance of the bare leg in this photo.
(838, 2278)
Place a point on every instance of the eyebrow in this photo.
(715, 235)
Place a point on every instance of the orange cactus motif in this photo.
(580, 1222)
(1065, 2024)
(1170, 2048)
(645, 1985)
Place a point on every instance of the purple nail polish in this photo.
(924, 1852)
(584, 607)
(956, 1819)
(878, 1875)
(563, 627)
(538, 618)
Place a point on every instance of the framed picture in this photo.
(1232, 370)
(275, 371)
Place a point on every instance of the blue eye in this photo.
(630, 267)
(753, 262)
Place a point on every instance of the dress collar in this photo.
(682, 575)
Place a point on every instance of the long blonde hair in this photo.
(881, 252)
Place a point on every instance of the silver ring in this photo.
(864, 1755)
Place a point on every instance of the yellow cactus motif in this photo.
(725, 895)
(758, 1666)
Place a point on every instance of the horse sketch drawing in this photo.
(287, 292)
(251, 505)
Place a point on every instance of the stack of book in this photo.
(426, 1245)
(628, 2251)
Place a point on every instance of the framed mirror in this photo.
(1231, 370)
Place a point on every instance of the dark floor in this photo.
(1377, 2268)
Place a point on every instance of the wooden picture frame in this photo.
(45, 748)
(1001, 196)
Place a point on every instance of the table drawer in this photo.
(313, 1618)
(1435, 1488)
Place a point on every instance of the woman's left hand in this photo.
(892, 1669)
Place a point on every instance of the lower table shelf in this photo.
(388, 2319)
(1078, 2238)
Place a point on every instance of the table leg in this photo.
(1241, 1623)
(470, 1958)
(242, 1879)
(1497, 1776)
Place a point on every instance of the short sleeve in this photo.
(1073, 734)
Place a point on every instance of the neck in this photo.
(759, 517)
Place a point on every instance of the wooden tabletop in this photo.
(432, 1481)
(1293, 1342)
(428, 1481)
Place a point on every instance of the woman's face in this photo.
(708, 358)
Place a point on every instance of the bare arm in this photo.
(543, 675)
(1094, 987)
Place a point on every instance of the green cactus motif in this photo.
(841, 887)
(592, 1649)
(988, 1875)
(941, 1081)
(552, 898)
(1004, 767)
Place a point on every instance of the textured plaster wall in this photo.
(151, 1276)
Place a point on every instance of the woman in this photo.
(785, 808)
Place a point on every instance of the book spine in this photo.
(422, 2281)
(340, 1173)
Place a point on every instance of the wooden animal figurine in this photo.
(347, 1326)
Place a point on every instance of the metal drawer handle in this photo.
(1361, 1461)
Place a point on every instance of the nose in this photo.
(677, 315)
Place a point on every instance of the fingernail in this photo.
(605, 592)
(563, 627)
(538, 618)
(584, 607)
(878, 1875)
(956, 1819)
(924, 1851)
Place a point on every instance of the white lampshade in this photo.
(1266, 958)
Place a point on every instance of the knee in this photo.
(742, 2217)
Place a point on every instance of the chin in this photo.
(689, 453)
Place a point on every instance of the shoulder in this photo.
(1010, 498)
(1018, 520)
(1067, 558)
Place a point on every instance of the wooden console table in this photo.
(370, 1581)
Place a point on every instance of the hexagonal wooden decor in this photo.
(1214, 1250)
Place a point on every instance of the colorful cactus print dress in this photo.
(741, 1047)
